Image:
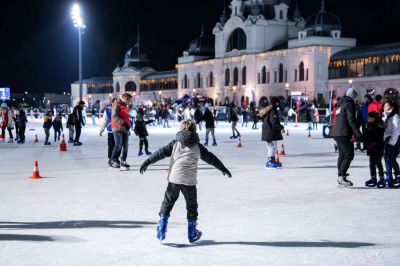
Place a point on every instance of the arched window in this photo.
(235, 76)
(130, 86)
(301, 71)
(280, 73)
(117, 87)
(281, 14)
(227, 77)
(211, 79)
(244, 76)
(237, 40)
(185, 82)
(198, 80)
(264, 75)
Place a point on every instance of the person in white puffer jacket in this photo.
(392, 143)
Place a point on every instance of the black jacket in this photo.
(140, 128)
(187, 138)
(271, 127)
(77, 112)
(57, 124)
(374, 137)
(22, 120)
(346, 125)
(233, 117)
(208, 117)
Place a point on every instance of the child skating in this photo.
(185, 153)
(141, 131)
(374, 132)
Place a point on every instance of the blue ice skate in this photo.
(162, 227)
(271, 164)
(193, 234)
(206, 142)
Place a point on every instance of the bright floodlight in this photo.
(77, 17)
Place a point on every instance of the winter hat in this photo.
(3, 105)
(351, 93)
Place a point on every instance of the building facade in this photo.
(258, 49)
(261, 49)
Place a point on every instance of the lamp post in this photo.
(234, 94)
(287, 88)
(80, 25)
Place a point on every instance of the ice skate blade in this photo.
(344, 186)
(269, 168)
(123, 169)
(194, 241)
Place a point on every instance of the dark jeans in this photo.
(78, 129)
(390, 156)
(121, 145)
(47, 134)
(111, 145)
(375, 161)
(346, 154)
(57, 134)
(145, 142)
(21, 132)
(3, 132)
(172, 195)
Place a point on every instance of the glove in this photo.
(226, 172)
(143, 167)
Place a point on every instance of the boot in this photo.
(381, 183)
(389, 181)
(193, 234)
(343, 182)
(206, 142)
(372, 182)
(140, 153)
(214, 143)
(124, 166)
(162, 227)
(271, 164)
(148, 153)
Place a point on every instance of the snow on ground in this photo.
(82, 213)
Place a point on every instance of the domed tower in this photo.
(323, 23)
(135, 57)
(324, 29)
(202, 45)
(136, 65)
(200, 48)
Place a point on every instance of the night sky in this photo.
(39, 45)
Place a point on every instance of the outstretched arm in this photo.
(162, 153)
(211, 159)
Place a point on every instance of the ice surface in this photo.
(82, 213)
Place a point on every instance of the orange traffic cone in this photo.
(239, 144)
(35, 174)
(309, 133)
(283, 150)
(287, 132)
(36, 139)
(277, 157)
(63, 145)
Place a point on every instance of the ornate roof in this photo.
(203, 45)
(322, 23)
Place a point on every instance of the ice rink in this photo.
(82, 213)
